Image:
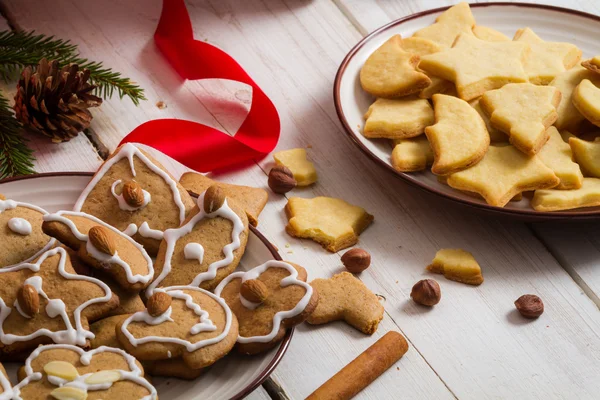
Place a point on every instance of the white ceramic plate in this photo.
(550, 23)
(234, 376)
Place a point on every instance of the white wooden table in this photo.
(473, 345)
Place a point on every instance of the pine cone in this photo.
(55, 102)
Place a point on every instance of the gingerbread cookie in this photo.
(21, 236)
(303, 170)
(103, 247)
(586, 98)
(587, 155)
(344, 297)
(267, 300)
(47, 302)
(557, 156)
(588, 195)
(104, 331)
(134, 193)
(398, 118)
(452, 22)
(253, 200)
(69, 373)
(457, 265)
(206, 248)
(182, 322)
(412, 154)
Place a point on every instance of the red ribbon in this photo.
(195, 145)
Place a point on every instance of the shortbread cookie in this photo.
(489, 35)
(566, 82)
(412, 154)
(557, 156)
(391, 71)
(457, 265)
(267, 300)
(588, 195)
(103, 247)
(458, 138)
(476, 66)
(524, 112)
(69, 373)
(134, 193)
(452, 22)
(586, 98)
(104, 332)
(587, 155)
(47, 302)
(593, 64)
(438, 86)
(333, 223)
(303, 170)
(444, 180)
(503, 173)
(547, 59)
(345, 297)
(182, 322)
(253, 200)
(206, 248)
(398, 118)
(21, 236)
(496, 135)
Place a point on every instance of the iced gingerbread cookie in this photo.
(557, 156)
(452, 22)
(412, 154)
(206, 248)
(104, 331)
(103, 247)
(185, 323)
(65, 372)
(398, 118)
(392, 72)
(21, 236)
(345, 297)
(46, 302)
(588, 195)
(587, 155)
(457, 265)
(253, 200)
(489, 35)
(586, 98)
(333, 223)
(303, 170)
(134, 193)
(267, 300)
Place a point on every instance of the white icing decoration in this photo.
(97, 254)
(194, 251)
(123, 204)
(171, 237)
(20, 226)
(134, 374)
(147, 232)
(11, 204)
(55, 307)
(130, 230)
(205, 324)
(168, 354)
(7, 390)
(291, 279)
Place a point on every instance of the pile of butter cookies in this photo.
(140, 279)
(491, 116)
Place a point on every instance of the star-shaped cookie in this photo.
(489, 35)
(502, 173)
(452, 22)
(557, 156)
(476, 66)
(588, 195)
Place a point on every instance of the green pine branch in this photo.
(16, 158)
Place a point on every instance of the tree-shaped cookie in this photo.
(398, 118)
(185, 323)
(557, 156)
(102, 247)
(207, 247)
(588, 195)
(70, 373)
(47, 302)
(586, 98)
(21, 236)
(452, 22)
(587, 155)
(476, 66)
(458, 138)
(391, 71)
(568, 116)
(134, 193)
(524, 112)
(503, 173)
(547, 59)
(267, 300)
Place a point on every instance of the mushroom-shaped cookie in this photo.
(103, 247)
(267, 300)
(21, 236)
(134, 193)
(47, 302)
(186, 323)
(68, 372)
(207, 247)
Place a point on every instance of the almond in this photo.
(356, 260)
(213, 199)
(158, 303)
(69, 393)
(133, 194)
(254, 290)
(102, 240)
(281, 180)
(29, 300)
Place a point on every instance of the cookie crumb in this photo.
(287, 245)
(161, 104)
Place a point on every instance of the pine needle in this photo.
(16, 158)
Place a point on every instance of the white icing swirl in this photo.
(20, 226)
(123, 203)
(194, 251)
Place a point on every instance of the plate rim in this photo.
(285, 342)
(406, 177)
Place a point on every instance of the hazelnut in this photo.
(281, 179)
(426, 292)
(530, 306)
(356, 260)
